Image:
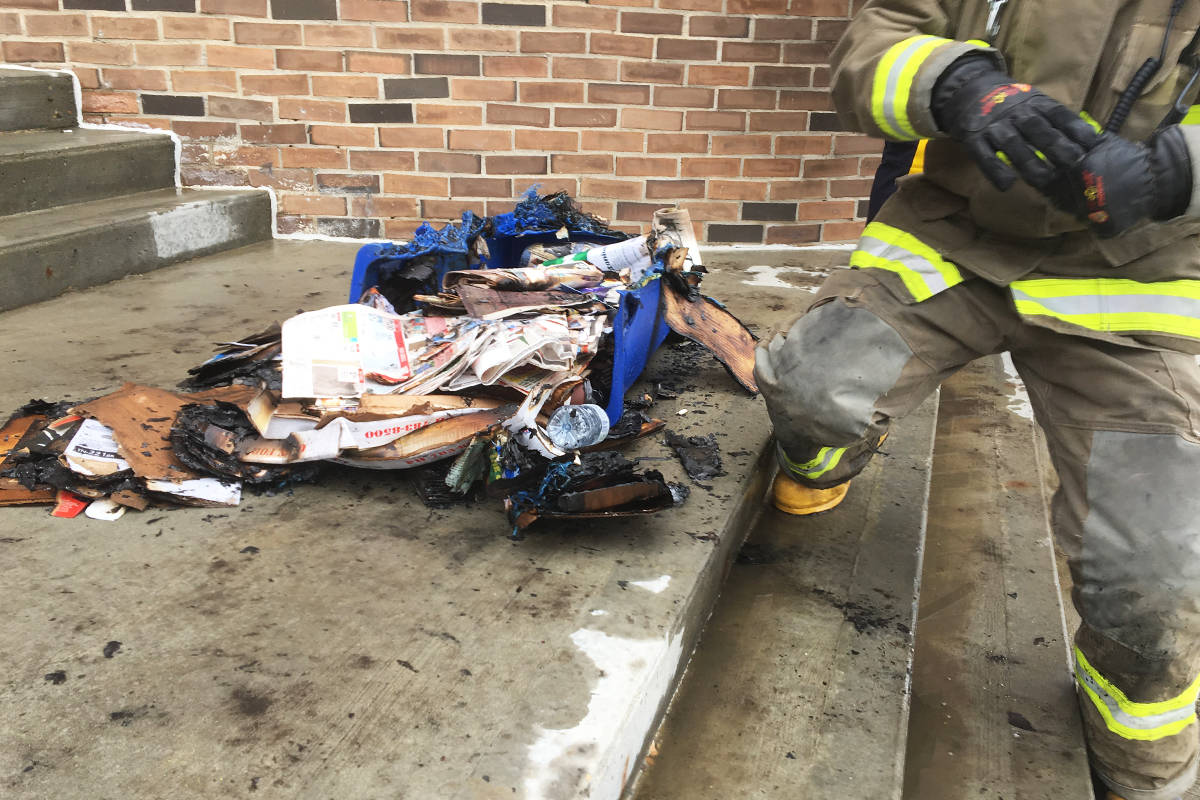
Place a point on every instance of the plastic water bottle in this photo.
(574, 427)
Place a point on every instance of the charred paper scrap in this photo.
(485, 349)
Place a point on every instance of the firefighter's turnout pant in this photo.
(1123, 426)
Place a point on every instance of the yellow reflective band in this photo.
(1192, 117)
(892, 87)
(1144, 722)
(923, 271)
(918, 162)
(980, 43)
(1090, 120)
(1113, 305)
(826, 459)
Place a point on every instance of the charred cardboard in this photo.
(487, 303)
(700, 319)
(12, 435)
(435, 442)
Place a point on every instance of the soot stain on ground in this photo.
(250, 703)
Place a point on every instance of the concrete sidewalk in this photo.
(342, 640)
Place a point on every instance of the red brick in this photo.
(483, 40)
(342, 135)
(408, 136)
(743, 144)
(241, 108)
(374, 10)
(825, 209)
(716, 120)
(124, 27)
(746, 98)
(312, 157)
(842, 231)
(798, 189)
(829, 30)
(852, 187)
(285, 180)
(481, 140)
(309, 109)
(830, 167)
(439, 114)
(341, 183)
(855, 144)
(787, 77)
(91, 53)
(309, 204)
(591, 69)
(758, 7)
(147, 80)
(677, 143)
(203, 129)
(344, 86)
(408, 38)
(720, 27)
(171, 55)
(675, 190)
(515, 66)
(449, 162)
(790, 28)
(10, 22)
(571, 15)
(220, 55)
(614, 44)
(286, 225)
(450, 210)
(390, 64)
(771, 167)
(631, 166)
(614, 141)
(420, 185)
(207, 176)
(650, 72)
(648, 22)
(551, 92)
(754, 52)
(598, 164)
(110, 102)
(324, 35)
(640, 212)
(89, 77)
(206, 28)
(553, 42)
(443, 11)
(399, 160)
(686, 49)
(617, 190)
(589, 117)
(274, 84)
(482, 89)
(547, 141)
(516, 165)
(710, 167)
(498, 114)
(305, 60)
(651, 119)
(266, 33)
(204, 81)
(626, 94)
(793, 234)
(55, 24)
(708, 75)
(237, 8)
(683, 97)
(779, 121)
(737, 190)
(693, 5)
(805, 145)
(275, 134)
(51, 5)
(820, 8)
(393, 207)
(401, 230)
(807, 53)
(714, 210)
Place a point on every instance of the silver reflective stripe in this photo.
(922, 266)
(893, 83)
(1146, 723)
(1115, 304)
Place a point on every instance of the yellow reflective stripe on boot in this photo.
(1115, 305)
(826, 459)
(1192, 117)
(892, 87)
(924, 272)
(1144, 722)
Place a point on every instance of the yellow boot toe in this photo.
(792, 497)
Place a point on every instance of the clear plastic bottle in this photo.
(573, 427)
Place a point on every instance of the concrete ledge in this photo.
(44, 169)
(44, 253)
(36, 100)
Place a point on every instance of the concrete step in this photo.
(30, 99)
(367, 646)
(44, 253)
(46, 168)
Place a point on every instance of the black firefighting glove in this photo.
(1119, 183)
(1010, 129)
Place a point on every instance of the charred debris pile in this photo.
(490, 357)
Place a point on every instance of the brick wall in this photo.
(367, 116)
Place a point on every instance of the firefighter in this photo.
(1057, 219)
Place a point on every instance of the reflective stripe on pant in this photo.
(1121, 425)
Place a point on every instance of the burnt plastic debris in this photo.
(402, 271)
(700, 455)
(541, 213)
(251, 360)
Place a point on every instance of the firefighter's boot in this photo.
(792, 497)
